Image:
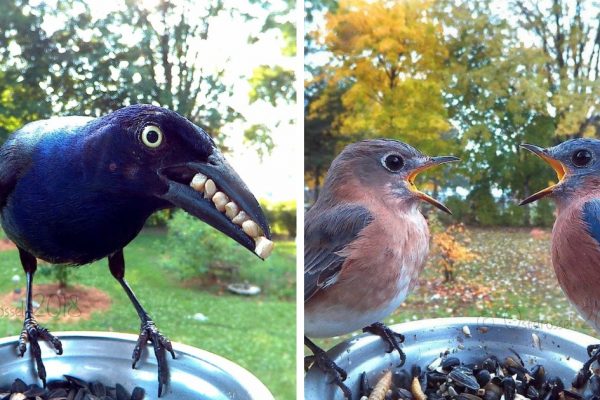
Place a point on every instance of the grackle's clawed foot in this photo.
(31, 333)
(149, 333)
(393, 339)
(326, 364)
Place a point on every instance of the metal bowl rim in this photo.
(356, 345)
(453, 322)
(237, 372)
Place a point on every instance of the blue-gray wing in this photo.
(326, 233)
(591, 217)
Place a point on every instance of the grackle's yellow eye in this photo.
(152, 136)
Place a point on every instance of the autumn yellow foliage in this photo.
(451, 246)
(390, 54)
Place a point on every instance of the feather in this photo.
(591, 217)
(326, 234)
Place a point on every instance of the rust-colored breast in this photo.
(576, 261)
(381, 265)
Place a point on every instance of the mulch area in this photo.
(6, 244)
(55, 303)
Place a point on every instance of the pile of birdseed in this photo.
(69, 389)
(491, 379)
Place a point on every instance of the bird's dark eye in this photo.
(581, 158)
(393, 162)
(152, 136)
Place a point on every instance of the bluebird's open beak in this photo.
(559, 167)
(429, 163)
(193, 186)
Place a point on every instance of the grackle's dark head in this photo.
(150, 151)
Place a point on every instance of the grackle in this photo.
(74, 190)
(365, 244)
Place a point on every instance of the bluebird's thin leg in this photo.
(585, 372)
(326, 364)
(148, 331)
(31, 330)
(393, 339)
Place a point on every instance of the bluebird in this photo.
(365, 244)
(74, 190)
(576, 231)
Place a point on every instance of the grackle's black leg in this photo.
(326, 364)
(31, 330)
(393, 339)
(148, 332)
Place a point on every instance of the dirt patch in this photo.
(209, 284)
(56, 304)
(6, 245)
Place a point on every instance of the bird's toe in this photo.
(160, 344)
(50, 338)
(22, 345)
(392, 338)
(593, 349)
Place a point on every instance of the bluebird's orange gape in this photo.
(365, 244)
(576, 231)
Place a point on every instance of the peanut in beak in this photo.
(201, 183)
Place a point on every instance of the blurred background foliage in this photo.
(204, 256)
(473, 78)
(56, 58)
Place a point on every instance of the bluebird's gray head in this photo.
(384, 167)
(577, 165)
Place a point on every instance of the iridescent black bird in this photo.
(74, 190)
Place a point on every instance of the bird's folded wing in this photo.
(591, 217)
(326, 233)
(14, 160)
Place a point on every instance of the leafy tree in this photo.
(384, 79)
(84, 64)
(473, 81)
(392, 54)
(173, 72)
(322, 141)
(276, 83)
(21, 97)
(197, 249)
(451, 245)
(497, 97)
(568, 34)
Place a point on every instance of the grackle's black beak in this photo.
(181, 195)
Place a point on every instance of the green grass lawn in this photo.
(258, 333)
(512, 278)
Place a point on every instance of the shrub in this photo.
(543, 214)
(281, 217)
(195, 248)
(160, 218)
(59, 273)
(483, 206)
(451, 246)
(514, 215)
(460, 210)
